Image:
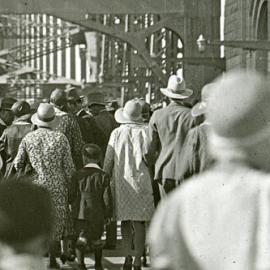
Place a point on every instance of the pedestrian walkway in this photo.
(112, 259)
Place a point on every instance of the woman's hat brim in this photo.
(121, 119)
(186, 93)
(198, 109)
(38, 122)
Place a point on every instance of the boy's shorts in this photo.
(92, 231)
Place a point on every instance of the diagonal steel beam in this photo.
(136, 40)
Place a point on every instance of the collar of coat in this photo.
(2, 122)
(58, 112)
(92, 165)
(22, 120)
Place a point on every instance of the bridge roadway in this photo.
(112, 259)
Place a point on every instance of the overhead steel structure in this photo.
(141, 42)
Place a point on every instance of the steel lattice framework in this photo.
(140, 42)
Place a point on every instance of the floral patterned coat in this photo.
(130, 179)
(49, 155)
(68, 125)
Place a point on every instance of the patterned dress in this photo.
(49, 155)
(130, 179)
(68, 125)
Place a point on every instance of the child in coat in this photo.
(93, 205)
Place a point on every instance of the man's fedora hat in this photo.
(130, 114)
(176, 88)
(200, 107)
(96, 98)
(72, 94)
(45, 116)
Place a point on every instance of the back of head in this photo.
(239, 113)
(239, 104)
(25, 213)
(92, 152)
(20, 108)
(58, 97)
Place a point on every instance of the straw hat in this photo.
(131, 113)
(176, 88)
(45, 116)
(200, 107)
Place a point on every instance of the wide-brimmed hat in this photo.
(45, 116)
(176, 88)
(72, 94)
(131, 113)
(96, 98)
(200, 107)
(238, 108)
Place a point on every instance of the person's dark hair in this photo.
(58, 97)
(92, 151)
(21, 108)
(25, 212)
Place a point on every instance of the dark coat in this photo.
(97, 128)
(106, 124)
(168, 128)
(92, 194)
(10, 141)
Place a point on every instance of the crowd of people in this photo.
(190, 182)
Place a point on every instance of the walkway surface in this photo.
(112, 259)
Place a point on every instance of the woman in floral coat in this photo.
(49, 154)
(130, 178)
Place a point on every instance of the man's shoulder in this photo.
(215, 183)
(170, 109)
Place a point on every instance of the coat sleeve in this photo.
(3, 146)
(109, 156)
(107, 197)
(188, 161)
(153, 146)
(76, 143)
(21, 158)
(68, 164)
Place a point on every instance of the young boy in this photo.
(93, 204)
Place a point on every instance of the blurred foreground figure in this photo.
(25, 225)
(221, 219)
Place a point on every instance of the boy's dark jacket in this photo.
(90, 194)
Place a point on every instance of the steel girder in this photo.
(82, 7)
(135, 39)
(76, 11)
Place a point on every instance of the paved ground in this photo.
(112, 259)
